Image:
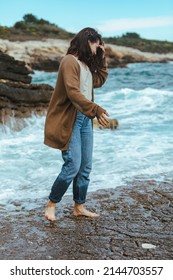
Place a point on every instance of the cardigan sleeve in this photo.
(100, 75)
(71, 78)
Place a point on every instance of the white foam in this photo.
(141, 146)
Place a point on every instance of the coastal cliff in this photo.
(46, 54)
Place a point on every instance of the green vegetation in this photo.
(32, 28)
(134, 40)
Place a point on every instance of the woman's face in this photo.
(94, 46)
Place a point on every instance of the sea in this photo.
(139, 96)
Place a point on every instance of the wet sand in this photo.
(136, 222)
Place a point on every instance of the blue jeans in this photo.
(77, 162)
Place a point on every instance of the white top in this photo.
(85, 80)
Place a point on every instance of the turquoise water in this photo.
(139, 96)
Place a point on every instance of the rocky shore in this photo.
(18, 97)
(46, 54)
(136, 222)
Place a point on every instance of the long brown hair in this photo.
(79, 46)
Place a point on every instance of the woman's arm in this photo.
(71, 76)
(100, 75)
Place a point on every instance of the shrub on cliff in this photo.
(20, 25)
(29, 18)
(131, 35)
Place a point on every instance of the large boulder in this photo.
(13, 70)
(18, 97)
(20, 101)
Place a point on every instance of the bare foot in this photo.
(80, 210)
(50, 211)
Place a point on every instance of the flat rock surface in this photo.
(136, 222)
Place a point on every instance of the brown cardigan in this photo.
(67, 100)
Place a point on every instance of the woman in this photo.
(68, 124)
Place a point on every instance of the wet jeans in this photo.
(77, 162)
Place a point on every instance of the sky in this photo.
(151, 19)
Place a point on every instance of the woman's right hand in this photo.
(103, 120)
(102, 47)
